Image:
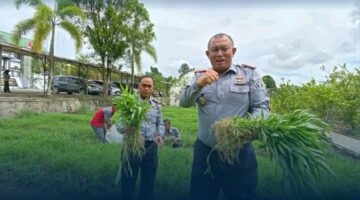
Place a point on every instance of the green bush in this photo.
(336, 100)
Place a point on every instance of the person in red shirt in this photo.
(102, 121)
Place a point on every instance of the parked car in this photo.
(112, 89)
(69, 84)
(72, 84)
(94, 89)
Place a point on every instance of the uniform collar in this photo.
(150, 99)
(232, 69)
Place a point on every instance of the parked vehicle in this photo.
(72, 84)
(69, 84)
(94, 89)
(112, 89)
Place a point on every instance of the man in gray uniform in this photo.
(225, 90)
(152, 130)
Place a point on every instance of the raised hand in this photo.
(208, 77)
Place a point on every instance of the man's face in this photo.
(146, 88)
(167, 125)
(220, 53)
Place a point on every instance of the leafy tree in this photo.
(158, 78)
(269, 82)
(336, 100)
(153, 72)
(169, 82)
(141, 34)
(107, 32)
(345, 86)
(44, 22)
(184, 69)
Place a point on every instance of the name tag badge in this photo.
(240, 80)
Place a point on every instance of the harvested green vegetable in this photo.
(295, 141)
(131, 113)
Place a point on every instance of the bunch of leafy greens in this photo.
(295, 141)
(131, 113)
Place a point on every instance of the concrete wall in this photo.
(12, 106)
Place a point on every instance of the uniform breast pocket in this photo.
(240, 89)
(239, 94)
(151, 116)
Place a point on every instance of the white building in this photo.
(18, 65)
(175, 90)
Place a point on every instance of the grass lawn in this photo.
(47, 155)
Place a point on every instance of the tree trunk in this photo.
(51, 60)
(132, 71)
(103, 70)
(106, 80)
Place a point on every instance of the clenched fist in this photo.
(208, 77)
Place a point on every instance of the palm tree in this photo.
(140, 37)
(44, 22)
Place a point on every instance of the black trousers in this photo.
(237, 181)
(6, 86)
(148, 167)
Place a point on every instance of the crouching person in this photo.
(102, 121)
(172, 134)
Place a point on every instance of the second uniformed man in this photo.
(152, 130)
(225, 90)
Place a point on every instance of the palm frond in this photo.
(74, 32)
(60, 4)
(44, 14)
(40, 34)
(72, 11)
(137, 60)
(22, 28)
(151, 51)
(32, 3)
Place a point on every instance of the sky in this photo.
(288, 41)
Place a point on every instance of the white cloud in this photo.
(283, 40)
(347, 47)
(299, 60)
(355, 14)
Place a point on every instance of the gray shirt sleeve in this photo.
(189, 93)
(160, 129)
(259, 98)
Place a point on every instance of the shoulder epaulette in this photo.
(199, 71)
(248, 66)
(156, 100)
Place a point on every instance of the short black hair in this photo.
(141, 78)
(220, 35)
(167, 121)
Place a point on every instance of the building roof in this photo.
(30, 52)
(7, 39)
